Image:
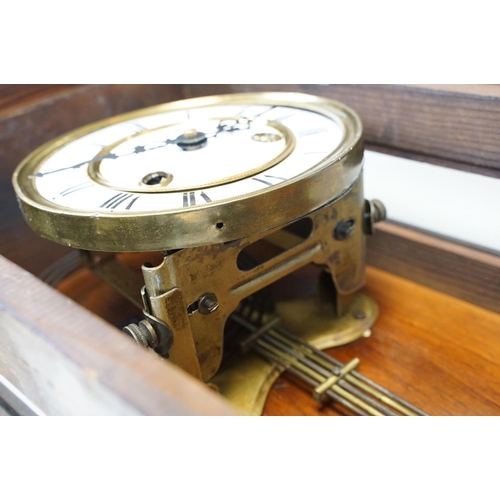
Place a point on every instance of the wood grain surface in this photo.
(467, 273)
(13, 96)
(438, 352)
(68, 361)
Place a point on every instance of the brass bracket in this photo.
(188, 297)
(187, 277)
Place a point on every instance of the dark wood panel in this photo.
(13, 96)
(463, 272)
(453, 126)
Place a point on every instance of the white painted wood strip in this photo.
(452, 203)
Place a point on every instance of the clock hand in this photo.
(108, 156)
(240, 122)
(237, 123)
(190, 140)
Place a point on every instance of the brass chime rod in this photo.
(305, 378)
(329, 377)
(357, 378)
(320, 375)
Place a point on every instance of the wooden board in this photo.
(467, 273)
(67, 361)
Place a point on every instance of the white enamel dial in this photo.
(192, 172)
(148, 163)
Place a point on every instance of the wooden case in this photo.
(437, 340)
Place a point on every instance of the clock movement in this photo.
(236, 192)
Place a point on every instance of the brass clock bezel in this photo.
(210, 223)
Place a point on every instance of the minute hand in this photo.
(112, 156)
(181, 140)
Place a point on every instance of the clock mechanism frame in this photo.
(200, 286)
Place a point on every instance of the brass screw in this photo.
(357, 314)
(208, 303)
(374, 212)
(344, 229)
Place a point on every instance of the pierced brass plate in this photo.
(247, 380)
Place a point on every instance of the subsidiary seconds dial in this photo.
(189, 169)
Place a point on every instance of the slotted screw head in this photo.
(208, 303)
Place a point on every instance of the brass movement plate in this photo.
(246, 382)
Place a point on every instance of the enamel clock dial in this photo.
(193, 172)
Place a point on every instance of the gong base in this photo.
(247, 379)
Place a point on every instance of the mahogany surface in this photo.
(440, 353)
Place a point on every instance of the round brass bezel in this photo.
(198, 225)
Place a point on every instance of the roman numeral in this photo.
(132, 202)
(276, 177)
(116, 200)
(266, 182)
(313, 131)
(83, 185)
(205, 197)
(189, 199)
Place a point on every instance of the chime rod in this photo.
(348, 379)
(61, 268)
(308, 380)
(302, 372)
(309, 369)
(324, 374)
(307, 359)
(352, 376)
(318, 379)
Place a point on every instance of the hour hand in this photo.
(193, 139)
